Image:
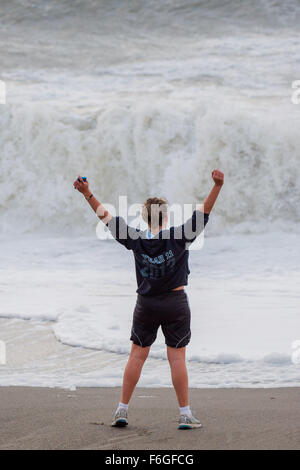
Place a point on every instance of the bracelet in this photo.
(89, 197)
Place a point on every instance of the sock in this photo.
(185, 410)
(122, 405)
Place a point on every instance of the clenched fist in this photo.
(218, 177)
(81, 186)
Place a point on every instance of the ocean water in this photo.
(146, 98)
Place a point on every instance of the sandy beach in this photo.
(41, 418)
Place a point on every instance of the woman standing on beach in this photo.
(161, 259)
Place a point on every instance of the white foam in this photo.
(244, 312)
(182, 142)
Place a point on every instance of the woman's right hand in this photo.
(82, 186)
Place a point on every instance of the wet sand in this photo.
(42, 418)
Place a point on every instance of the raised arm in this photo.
(83, 188)
(209, 202)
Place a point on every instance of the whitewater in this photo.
(146, 98)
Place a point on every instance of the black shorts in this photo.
(170, 310)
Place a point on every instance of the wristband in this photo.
(89, 197)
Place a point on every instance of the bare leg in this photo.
(176, 357)
(133, 370)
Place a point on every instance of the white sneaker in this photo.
(188, 422)
(121, 418)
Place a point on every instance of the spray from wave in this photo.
(147, 98)
(145, 149)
